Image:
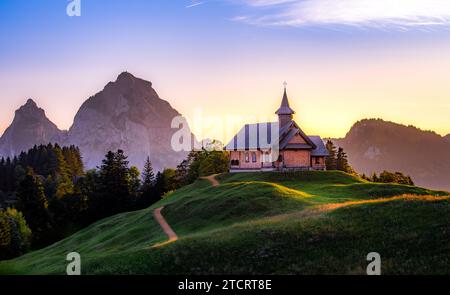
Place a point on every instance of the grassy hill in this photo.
(266, 223)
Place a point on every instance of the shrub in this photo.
(390, 177)
(15, 235)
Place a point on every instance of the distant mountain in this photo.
(127, 114)
(447, 137)
(376, 145)
(29, 127)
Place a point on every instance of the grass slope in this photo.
(264, 223)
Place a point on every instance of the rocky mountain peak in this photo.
(30, 110)
(31, 103)
(127, 114)
(127, 81)
(125, 77)
(30, 126)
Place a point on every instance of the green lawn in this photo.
(265, 223)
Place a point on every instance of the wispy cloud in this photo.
(194, 3)
(362, 13)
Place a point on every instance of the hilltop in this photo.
(265, 223)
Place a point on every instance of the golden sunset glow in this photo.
(235, 69)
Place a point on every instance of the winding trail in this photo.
(163, 223)
(212, 179)
(165, 227)
(314, 211)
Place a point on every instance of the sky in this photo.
(226, 60)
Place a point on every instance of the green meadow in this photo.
(266, 223)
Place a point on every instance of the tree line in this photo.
(47, 195)
(389, 177)
(338, 160)
(57, 167)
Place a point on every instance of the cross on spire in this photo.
(285, 109)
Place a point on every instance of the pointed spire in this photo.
(285, 109)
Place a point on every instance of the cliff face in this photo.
(377, 145)
(29, 127)
(127, 114)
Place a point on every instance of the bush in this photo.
(201, 163)
(390, 177)
(15, 235)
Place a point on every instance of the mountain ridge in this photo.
(374, 145)
(126, 114)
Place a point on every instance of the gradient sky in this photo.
(344, 60)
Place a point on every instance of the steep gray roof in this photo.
(320, 150)
(261, 136)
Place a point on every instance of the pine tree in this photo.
(74, 162)
(134, 180)
(331, 160)
(115, 184)
(62, 175)
(151, 192)
(181, 173)
(342, 161)
(5, 233)
(169, 180)
(9, 177)
(159, 186)
(148, 178)
(33, 203)
(374, 177)
(2, 175)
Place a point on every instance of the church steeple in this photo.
(285, 112)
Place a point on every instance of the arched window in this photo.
(247, 158)
(254, 157)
